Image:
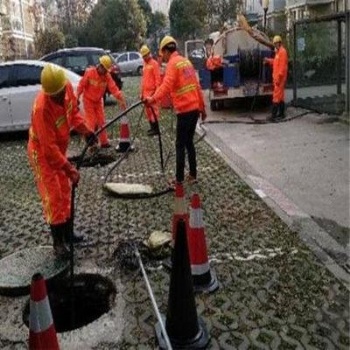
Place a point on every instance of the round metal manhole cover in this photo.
(17, 269)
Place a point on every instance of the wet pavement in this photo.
(274, 292)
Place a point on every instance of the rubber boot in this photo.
(154, 129)
(150, 128)
(77, 238)
(274, 112)
(281, 111)
(57, 233)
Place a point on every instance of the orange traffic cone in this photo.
(180, 213)
(42, 332)
(180, 208)
(204, 278)
(124, 139)
(184, 328)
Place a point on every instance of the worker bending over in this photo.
(93, 86)
(55, 112)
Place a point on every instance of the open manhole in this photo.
(93, 295)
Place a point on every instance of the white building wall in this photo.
(160, 5)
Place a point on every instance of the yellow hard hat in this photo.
(166, 41)
(144, 50)
(53, 79)
(277, 39)
(106, 62)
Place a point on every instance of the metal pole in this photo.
(153, 300)
(265, 12)
(347, 63)
(294, 63)
(339, 57)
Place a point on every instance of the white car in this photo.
(19, 84)
(130, 62)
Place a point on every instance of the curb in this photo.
(315, 237)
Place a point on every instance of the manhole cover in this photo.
(17, 269)
(74, 305)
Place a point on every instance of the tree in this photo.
(147, 12)
(116, 25)
(187, 18)
(48, 40)
(219, 12)
(158, 22)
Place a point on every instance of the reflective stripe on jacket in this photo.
(93, 85)
(150, 77)
(181, 82)
(50, 127)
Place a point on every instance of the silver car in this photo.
(19, 84)
(130, 62)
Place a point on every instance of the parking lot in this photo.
(274, 293)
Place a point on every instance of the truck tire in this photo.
(213, 105)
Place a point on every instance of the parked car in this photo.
(130, 62)
(19, 84)
(77, 59)
(116, 54)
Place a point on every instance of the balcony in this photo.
(298, 3)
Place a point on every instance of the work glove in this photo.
(122, 102)
(71, 172)
(148, 101)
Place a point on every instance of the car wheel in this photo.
(139, 70)
(213, 105)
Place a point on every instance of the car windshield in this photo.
(95, 57)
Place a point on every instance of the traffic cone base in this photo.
(125, 147)
(207, 282)
(200, 341)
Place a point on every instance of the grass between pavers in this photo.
(272, 288)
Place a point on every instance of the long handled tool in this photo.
(72, 202)
(153, 300)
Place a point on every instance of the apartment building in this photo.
(280, 14)
(300, 9)
(19, 19)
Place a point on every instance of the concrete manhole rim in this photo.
(17, 269)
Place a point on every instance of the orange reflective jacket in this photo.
(181, 82)
(214, 62)
(51, 124)
(279, 66)
(150, 77)
(93, 85)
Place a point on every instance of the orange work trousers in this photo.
(278, 92)
(95, 118)
(54, 188)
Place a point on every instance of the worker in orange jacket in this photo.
(93, 86)
(279, 76)
(149, 82)
(181, 82)
(55, 112)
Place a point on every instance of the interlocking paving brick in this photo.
(274, 293)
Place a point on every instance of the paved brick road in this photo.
(273, 293)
